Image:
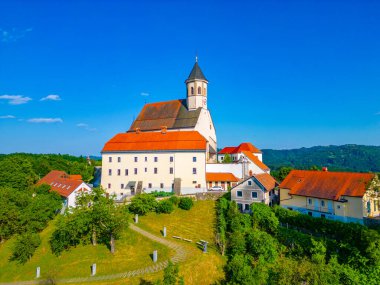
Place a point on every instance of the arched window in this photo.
(192, 90)
(199, 90)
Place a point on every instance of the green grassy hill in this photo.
(358, 158)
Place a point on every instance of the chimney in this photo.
(325, 169)
(164, 129)
(137, 130)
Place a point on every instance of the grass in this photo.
(195, 224)
(132, 252)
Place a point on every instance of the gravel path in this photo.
(179, 256)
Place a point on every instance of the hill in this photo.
(350, 157)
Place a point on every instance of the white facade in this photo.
(121, 171)
(234, 168)
(237, 156)
(72, 198)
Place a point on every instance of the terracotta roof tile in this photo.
(240, 148)
(153, 141)
(326, 185)
(255, 160)
(61, 182)
(222, 176)
(266, 180)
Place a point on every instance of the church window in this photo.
(146, 159)
(194, 170)
(194, 159)
(146, 169)
(155, 159)
(149, 185)
(199, 90)
(135, 158)
(135, 170)
(110, 159)
(155, 170)
(161, 185)
(118, 172)
(119, 159)
(122, 186)
(109, 185)
(171, 170)
(109, 172)
(126, 172)
(171, 159)
(192, 90)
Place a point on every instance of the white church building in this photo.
(171, 146)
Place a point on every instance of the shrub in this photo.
(174, 200)
(185, 203)
(161, 193)
(25, 246)
(142, 204)
(263, 218)
(165, 207)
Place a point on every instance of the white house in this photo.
(67, 186)
(137, 162)
(258, 188)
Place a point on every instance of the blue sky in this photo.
(283, 74)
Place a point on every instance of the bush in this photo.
(185, 203)
(25, 246)
(263, 218)
(161, 194)
(165, 207)
(142, 204)
(174, 200)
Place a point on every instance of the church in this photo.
(171, 146)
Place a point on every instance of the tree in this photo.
(142, 204)
(185, 203)
(25, 246)
(264, 218)
(227, 158)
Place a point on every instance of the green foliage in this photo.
(142, 204)
(263, 218)
(281, 173)
(262, 244)
(165, 206)
(25, 246)
(239, 270)
(171, 274)
(185, 203)
(161, 194)
(99, 221)
(236, 243)
(227, 158)
(357, 158)
(174, 200)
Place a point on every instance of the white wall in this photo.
(182, 165)
(71, 200)
(234, 168)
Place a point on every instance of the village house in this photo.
(224, 180)
(342, 196)
(258, 188)
(67, 186)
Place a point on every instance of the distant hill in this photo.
(350, 157)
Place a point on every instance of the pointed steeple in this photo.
(196, 73)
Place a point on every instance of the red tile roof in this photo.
(326, 185)
(148, 141)
(222, 176)
(240, 148)
(61, 182)
(266, 180)
(256, 161)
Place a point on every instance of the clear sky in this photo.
(283, 74)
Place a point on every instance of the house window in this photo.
(135, 158)
(146, 169)
(254, 195)
(155, 170)
(322, 203)
(239, 194)
(146, 159)
(240, 207)
(310, 214)
(135, 170)
(194, 170)
(109, 185)
(250, 183)
(310, 201)
(119, 159)
(122, 186)
(110, 159)
(155, 159)
(194, 159)
(323, 216)
(246, 207)
(171, 159)
(126, 172)
(194, 182)
(118, 172)
(150, 185)
(199, 90)
(338, 206)
(109, 172)
(161, 185)
(171, 170)
(270, 193)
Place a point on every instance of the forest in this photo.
(351, 157)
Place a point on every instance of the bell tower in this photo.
(196, 86)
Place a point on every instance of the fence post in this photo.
(38, 272)
(93, 269)
(164, 232)
(155, 256)
(136, 219)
